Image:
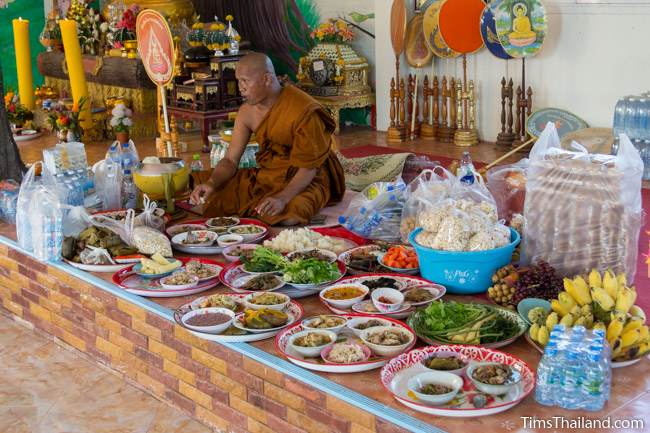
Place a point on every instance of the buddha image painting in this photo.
(521, 26)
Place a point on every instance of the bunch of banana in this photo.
(599, 302)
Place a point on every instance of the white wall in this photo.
(592, 55)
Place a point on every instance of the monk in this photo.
(298, 173)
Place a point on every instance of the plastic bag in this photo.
(46, 223)
(376, 212)
(76, 220)
(96, 256)
(108, 184)
(148, 217)
(23, 225)
(146, 239)
(415, 165)
(582, 210)
(423, 192)
(9, 190)
(507, 183)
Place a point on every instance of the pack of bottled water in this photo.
(575, 371)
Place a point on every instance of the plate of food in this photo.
(151, 287)
(467, 323)
(220, 231)
(156, 267)
(203, 269)
(195, 239)
(95, 249)
(310, 274)
(373, 282)
(263, 261)
(26, 135)
(223, 222)
(249, 232)
(409, 380)
(363, 259)
(264, 320)
(400, 259)
(343, 352)
(313, 253)
(235, 252)
(235, 303)
(258, 283)
(291, 240)
(183, 228)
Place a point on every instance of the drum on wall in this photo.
(459, 22)
(432, 36)
(521, 26)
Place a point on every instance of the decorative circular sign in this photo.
(432, 36)
(156, 46)
(489, 33)
(460, 24)
(521, 26)
(417, 52)
(565, 122)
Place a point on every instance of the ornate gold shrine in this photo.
(174, 9)
(332, 69)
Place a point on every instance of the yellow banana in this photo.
(567, 302)
(558, 308)
(614, 330)
(599, 325)
(567, 320)
(644, 348)
(580, 321)
(637, 311)
(542, 335)
(589, 320)
(621, 279)
(586, 309)
(578, 290)
(602, 298)
(576, 311)
(630, 337)
(610, 284)
(533, 331)
(644, 334)
(632, 324)
(625, 299)
(594, 279)
(616, 347)
(552, 320)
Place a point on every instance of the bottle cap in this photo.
(341, 219)
(196, 157)
(127, 171)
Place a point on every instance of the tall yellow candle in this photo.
(23, 63)
(75, 68)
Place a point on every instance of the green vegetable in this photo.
(455, 322)
(264, 260)
(310, 271)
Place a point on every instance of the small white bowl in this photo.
(435, 377)
(281, 306)
(344, 303)
(247, 236)
(331, 257)
(387, 351)
(336, 329)
(449, 354)
(227, 252)
(492, 389)
(311, 352)
(214, 329)
(436, 290)
(394, 295)
(212, 223)
(207, 238)
(354, 322)
(229, 240)
(326, 353)
(194, 282)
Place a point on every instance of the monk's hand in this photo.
(271, 206)
(201, 192)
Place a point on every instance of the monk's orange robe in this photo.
(295, 133)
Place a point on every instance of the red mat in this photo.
(642, 278)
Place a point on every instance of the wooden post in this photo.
(426, 129)
(392, 102)
(436, 106)
(506, 136)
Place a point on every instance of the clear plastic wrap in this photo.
(376, 213)
(582, 210)
(148, 217)
(507, 183)
(430, 187)
(96, 256)
(23, 225)
(146, 239)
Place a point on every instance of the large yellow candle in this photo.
(76, 72)
(23, 63)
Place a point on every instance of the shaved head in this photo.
(257, 63)
(256, 77)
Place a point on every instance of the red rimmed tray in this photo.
(133, 283)
(317, 364)
(396, 373)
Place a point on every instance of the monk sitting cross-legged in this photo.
(298, 173)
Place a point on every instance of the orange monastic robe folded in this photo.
(295, 133)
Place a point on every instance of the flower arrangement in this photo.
(66, 122)
(336, 31)
(196, 36)
(88, 25)
(125, 28)
(121, 120)
(17, 113)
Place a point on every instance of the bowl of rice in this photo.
(345, 353)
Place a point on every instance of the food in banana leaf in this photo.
(264, 318)
(94, 237)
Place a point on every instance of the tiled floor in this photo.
(45, 388)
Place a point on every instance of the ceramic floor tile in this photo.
(18, 419)
(168, 420)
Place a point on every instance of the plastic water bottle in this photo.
(129, 191)
(631, 115)
(570, 390)
(593, 386)
(619, 116)
(114, 153)
(546, 387)
(128, 158)
(466, 169)
(644, 119)
(197, 165)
